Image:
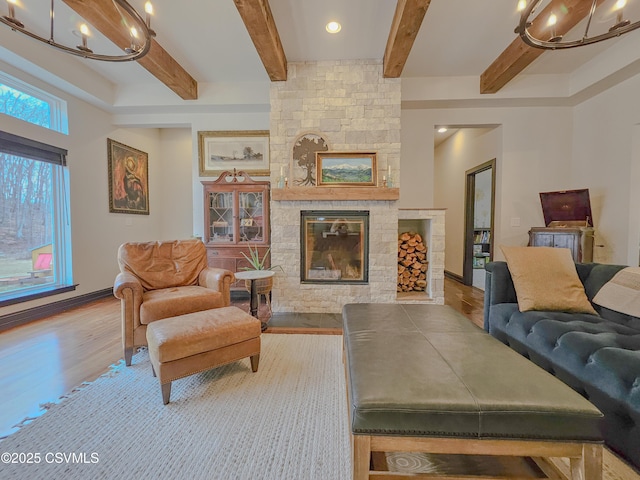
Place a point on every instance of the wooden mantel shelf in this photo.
(334, 193)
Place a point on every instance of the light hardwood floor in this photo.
(44, 360)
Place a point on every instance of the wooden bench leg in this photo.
(589, 465)
(361, 450)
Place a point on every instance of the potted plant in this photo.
(263, 285)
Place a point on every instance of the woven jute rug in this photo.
(286, 421)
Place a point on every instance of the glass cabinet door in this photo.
(251, 216)
(221, 217)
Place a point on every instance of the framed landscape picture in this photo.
(335, 169)
(246, 150)
(128, 179)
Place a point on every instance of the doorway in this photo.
(479, 222)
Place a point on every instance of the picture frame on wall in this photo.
(246, 150)
(341, 169)
(128, 179)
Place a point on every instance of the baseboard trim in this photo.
(454, 276)
(23, 317)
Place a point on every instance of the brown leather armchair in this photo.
(165, 279)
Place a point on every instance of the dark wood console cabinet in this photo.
(577, 239)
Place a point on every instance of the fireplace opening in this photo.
(334, 246)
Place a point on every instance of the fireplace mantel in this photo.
(334, 193)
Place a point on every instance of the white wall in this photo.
(464, 150)
(533, 156)
(606, 159)
(176, 186)
(416, 161)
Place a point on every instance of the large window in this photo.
(35, 245)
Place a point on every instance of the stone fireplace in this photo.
(354, 109)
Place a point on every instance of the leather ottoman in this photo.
(424, 378)
(192, 343)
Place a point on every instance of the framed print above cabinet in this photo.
(246, 150)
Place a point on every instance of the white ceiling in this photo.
(208, 38)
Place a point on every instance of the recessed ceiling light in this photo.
(442, 129)
(333, 27)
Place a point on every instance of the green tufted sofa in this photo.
(597, 355)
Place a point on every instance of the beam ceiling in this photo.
(404, 29)
(518, 55)
(102, 15)
(257, 17)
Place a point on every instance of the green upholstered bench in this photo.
(424, 378)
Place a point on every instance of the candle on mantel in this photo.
(282, 170)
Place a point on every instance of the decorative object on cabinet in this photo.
(246, 150)
(304, 158)
(336, 169)
(236, 221)
(128, 179)
(569, 224)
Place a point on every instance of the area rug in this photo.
(286, 421)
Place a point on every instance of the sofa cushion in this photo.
(545, 278)
(171, 302)
(164, 264)
(622, 292)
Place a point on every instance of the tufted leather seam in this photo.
(477, 405)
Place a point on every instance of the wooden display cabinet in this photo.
(236, 216)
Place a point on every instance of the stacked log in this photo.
(412, 263)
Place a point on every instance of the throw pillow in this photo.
(622, 292)
(545, 278)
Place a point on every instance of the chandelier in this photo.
(138, 30)
(604, 20)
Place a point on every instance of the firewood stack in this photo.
(412, 263)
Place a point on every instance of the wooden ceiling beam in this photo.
(258, 19)
(101, 15)
(404, 29)
(518, 55)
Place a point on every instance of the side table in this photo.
(252, 276)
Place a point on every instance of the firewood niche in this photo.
(412, 263)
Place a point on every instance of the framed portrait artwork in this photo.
(128, 179)
(246, 150)
(337, 169)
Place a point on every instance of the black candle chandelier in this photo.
(135, 28)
